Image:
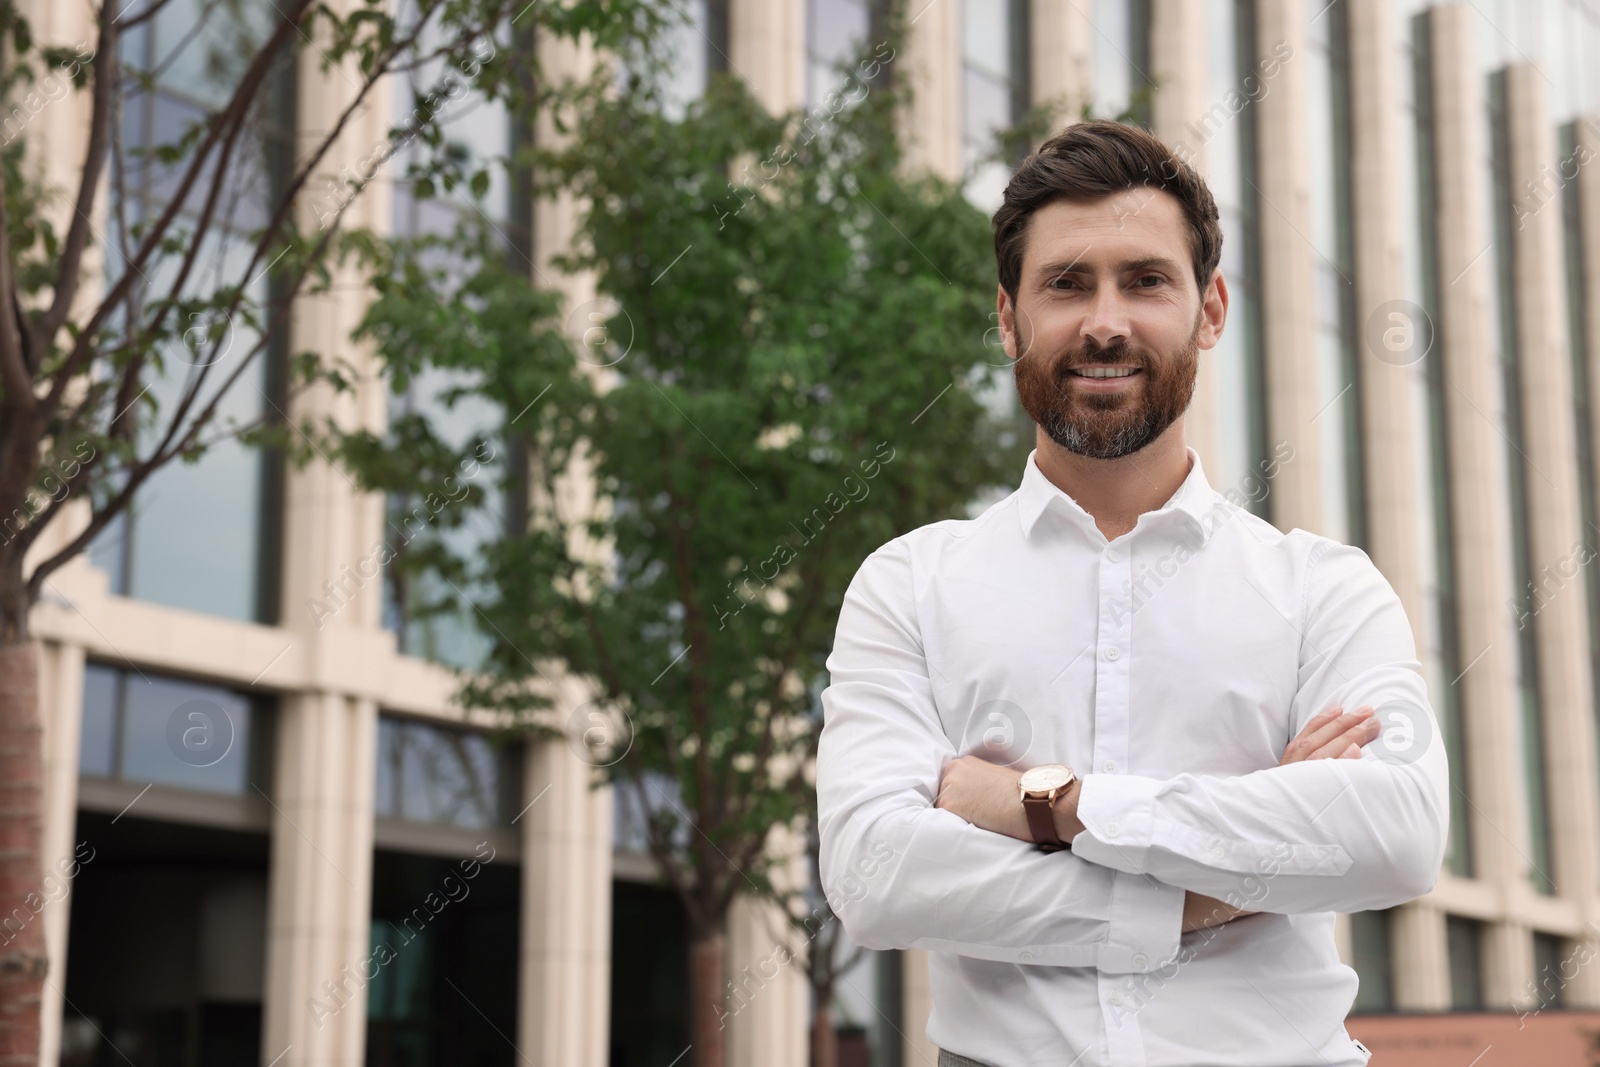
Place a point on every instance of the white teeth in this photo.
(1105, 372)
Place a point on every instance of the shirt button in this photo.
(1116, 1000)
(1217, 850)
(1025, 955)
(1113, 653)
(1113, 829)
(1113, 555)
(1140, 960)
(1109, 766)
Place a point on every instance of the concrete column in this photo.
(767, 47)
(61, 707)
(565, 978)
(1585, 988)
(1288, 334)
(1060, 51)
(1388, 386)
(1177, 60)
(930, 66)
(320, 890)
(916, 1004)
(1421, 957)
(1556, 535)
(1508, 967)
(328, 526)
(1477, 451)
(1178, 65)
(773, 1028)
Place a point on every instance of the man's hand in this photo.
(987, 795)
(1201, 912)
(1331, 734)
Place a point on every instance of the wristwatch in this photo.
(1041, 787)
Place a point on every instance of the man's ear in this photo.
(1008, 322)
(1213, 311)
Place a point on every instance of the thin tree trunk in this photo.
(708, 970)
(22, 949)
(824, 1038)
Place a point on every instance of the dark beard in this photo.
(1108, 425)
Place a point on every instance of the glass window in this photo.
(649, 984)
(444, 941)
(97, 744)
(201, 536)
(443, 775)
(1578, 273)
(691, 57)
(1226, 135)
(835, 32)
(1371, 941)
(1338, 417)
(1464, 938)
(145, 727)
(1122, 82)
(1571, 41)
(1525, 636)
(1438, 548)
(994, 91)
(1549, 979)
(430, 617)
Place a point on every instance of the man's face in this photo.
(1108, 288)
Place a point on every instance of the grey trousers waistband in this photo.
(950, 1059)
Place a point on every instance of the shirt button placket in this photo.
(1114, 652)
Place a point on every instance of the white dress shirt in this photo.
(1169, 668)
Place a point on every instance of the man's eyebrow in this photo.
(1075, 265)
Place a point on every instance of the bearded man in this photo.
(1106, 750)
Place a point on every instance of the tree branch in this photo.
(67, 271)
(246, 91)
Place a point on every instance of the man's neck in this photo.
(1117, 491)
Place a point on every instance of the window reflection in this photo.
(835, 32)
(200, 536)
(1228, 143)
(139, 726)
(429, 617)
(436, 774)
(1339, 396)
(1434, 465)
(1464, 941)
(994, 91)
(1372, 941)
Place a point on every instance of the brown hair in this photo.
(1089, 160)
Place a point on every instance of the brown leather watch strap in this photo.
(1042, 823)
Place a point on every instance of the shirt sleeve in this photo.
(1322, 835)
(901, 873)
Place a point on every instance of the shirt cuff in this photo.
(1145, 926)
(1118, 816)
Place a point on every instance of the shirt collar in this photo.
(1194, 501)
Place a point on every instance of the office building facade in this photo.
(1411, 202)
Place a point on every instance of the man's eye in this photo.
(1149, 281)
(1063, 283)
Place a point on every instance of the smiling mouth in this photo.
(1100, 373)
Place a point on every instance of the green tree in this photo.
(106, 377)
(793, 371)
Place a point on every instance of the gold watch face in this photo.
(1043, 779)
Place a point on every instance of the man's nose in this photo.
(1107, 319)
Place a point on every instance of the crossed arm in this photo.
(987, 795)
(922, 848)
